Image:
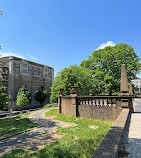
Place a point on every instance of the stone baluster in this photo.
(62, 91)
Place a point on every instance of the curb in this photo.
(14, 134)
(7, 115)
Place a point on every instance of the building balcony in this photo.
(3, 66)
(34, 75)
(3, 73)
(4, 80)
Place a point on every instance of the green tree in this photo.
(1, 12)
(25, 90)
(41, 95)
(3, 98)
(105, 66)
(71, 76)
(22, 100)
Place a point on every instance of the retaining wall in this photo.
(111, 144)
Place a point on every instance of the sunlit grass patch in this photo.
(13, 124)
(79, 141)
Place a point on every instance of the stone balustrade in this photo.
(101, 101)
(97, 107)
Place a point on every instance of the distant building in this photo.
(137, 83)
(16, 72)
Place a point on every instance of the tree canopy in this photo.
(71, 76)
(22, 100)
(105, 66)
(3, 98)
(25, 90)
(41, 95)
(1, 12)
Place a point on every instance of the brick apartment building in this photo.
(16, 72)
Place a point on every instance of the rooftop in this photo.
(22, 59)
(136, 78)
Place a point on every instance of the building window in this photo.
(16, 64)
(17, 76)
(46, 75)
(24, 65)
(46, 70)
(30, 67)
(35, 73)
(30, 72)
(24, 71)
(2, 63)
(35, 68)
(16, 70)
(5, 71)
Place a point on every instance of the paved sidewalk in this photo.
(36, 138)
(133, 145)
(134, 136)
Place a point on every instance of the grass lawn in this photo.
(14, 124)
(50, 105)
(79, 141)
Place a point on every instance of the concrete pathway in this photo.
(38, 137)
(133, 146)
(137, 104)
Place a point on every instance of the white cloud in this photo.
(32, 57)
(109, 43)
(5, 54)
(29, 57)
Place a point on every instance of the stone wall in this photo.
(110, 145)
(67, 107)
(90, 106)
(106, 113)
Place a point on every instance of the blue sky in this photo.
(59, 33)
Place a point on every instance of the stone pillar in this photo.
(130, 89)
(124, 81)
(74, 104)
(124, 87)
(62, 91)
(74, 107)
(130, 104)
(130, 100)
(59, 104)
(125, 102)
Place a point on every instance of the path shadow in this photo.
(45, 126)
